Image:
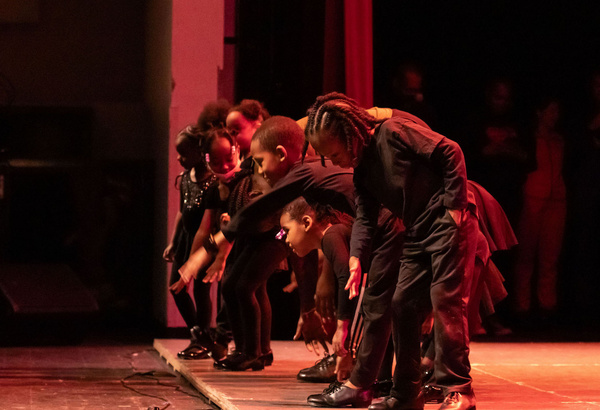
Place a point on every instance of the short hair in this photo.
(279, 130)
(324, 214)
(213, 115)
(252, 110)
(341, 115)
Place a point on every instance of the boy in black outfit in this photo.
(421, 177)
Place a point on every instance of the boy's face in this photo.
(271, 165)
(296, 235)
(332, 148)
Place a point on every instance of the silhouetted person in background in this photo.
(542, 221)
(408, 94)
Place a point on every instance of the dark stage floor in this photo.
(101, 375)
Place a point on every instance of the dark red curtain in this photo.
(358, 34)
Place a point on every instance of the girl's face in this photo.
(241, 128)
(298, 233)
(331, 147)
(188, 153)
(222, 158)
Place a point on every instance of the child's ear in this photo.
(282, 152)
(307, 222)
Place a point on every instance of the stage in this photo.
(506, 376)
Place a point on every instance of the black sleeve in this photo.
(450, 158)
(363, 229)
(335, 245)
(248, 219)
(212, 198)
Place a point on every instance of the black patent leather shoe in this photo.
(339, 395)
(323, 371)
(392, 403)
(193, 352)
(381, 388)
(458, 401)
(242, 362)
(267, 358)
(218, 351)
(432, 393)
(231, 357)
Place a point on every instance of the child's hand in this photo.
(178, 286)
(169, 253)
(343, 367)
(215, 271)
(310, 327)
(338, 343)
(224, 220)
(292, 285)
(355, 276)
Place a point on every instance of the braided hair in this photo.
(341, 115)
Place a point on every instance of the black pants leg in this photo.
(382, 277)
(435, 271)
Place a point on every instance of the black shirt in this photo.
(330, 185)
(412, 171)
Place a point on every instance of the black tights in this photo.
(198, 314)
(244, 286)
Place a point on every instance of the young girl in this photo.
(306, 228)
(249, 259)
(420, 176)
(242, 122)
(193, 184)
(221, 154)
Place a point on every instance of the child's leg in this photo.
(452, 252)
(183, 300)
(263, 258)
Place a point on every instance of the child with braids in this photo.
(193, 184)
(421, 177)
(276, 148)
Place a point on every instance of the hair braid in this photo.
(340, 114)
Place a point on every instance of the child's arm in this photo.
(204, 230)
(215, 271)
(325, 292)
(189, 270)
(169, 252)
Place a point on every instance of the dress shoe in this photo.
(392, 403)
(458, 401)
(241, 362)
(267, 358)
(339, 395)
(193, 352)
(433, 393)
(382, 388)
(218, 351)
(323, 371)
